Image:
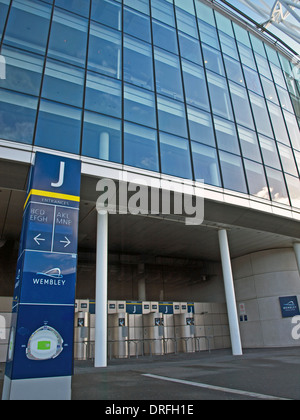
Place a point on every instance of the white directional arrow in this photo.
(38, 239)
(67, 242)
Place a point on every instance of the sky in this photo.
(244, 8)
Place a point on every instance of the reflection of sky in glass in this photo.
(260, 19)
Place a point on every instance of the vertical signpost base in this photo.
(40, 353)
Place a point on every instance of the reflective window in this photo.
(17, 116)
(107, 12)
(277, 186)
(278, 123)
(76, 6)
(213, 59)
(226, 135)
(186, 23)
(228, 46)
(252, 80)
(58, 127)
(105, 51)
(4, 4)
(68, 40)
(269, 90)
(208, 34)
(224, 24)
(261, 116)
(249, 144)
(101, 137)
(241, 105)
(103, 95)
(285, 99)
(263, 66)
(287, 159)
(137, 24)
(190, 48)
(219, 96)
(168, 76)
(175, 156)
(233, 173)
(28, 25)
(171, 116)
(269, 152)
(200, 126)
(139, 106)
(205, 13)
(195, 85)
(258, 45)
(187, 5)
(278, 76)
(246, 55)
(140, 5)
(241, 34)
(163, 11)
(140, 147)
(293, 129)
(294, 190)
(256, 179)
(297, 155)
(206, 164)
(138, 64)
(234, 70)
(164, 37)
(63, 83)
(23, 71)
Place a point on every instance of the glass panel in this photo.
(258, 45)
(186, 23)
(208, 34)
(277, 186)
(246, 55)
(256, 179)
(226, 136)
(136, 24)
(294, 190)
(233, 173)
(164, 37)
(140, 5)
(139, 106)
(23, 71)
(252, 80)
(140, 147)
(4, 4)
(168, 76)
(234, 70)
(287, 159)
(224, 24)
(17, 116)
(269, 151)
(261, 116)
(195, 85)
(278, 76)
(175, 156)
(293, 128)
(76, 6)
(205, 13)
(241, 35)
(297, 155)
(285, 99)
(138, 64)
(105, 51)
(58, 127)
(213, 59)
(107, 12)
(200, 125)
(28, 25)
(269, 90)
(206, 164)
(68, 40)
(63, 83)
(171, 116)
(190, 49)
(241, 105)
(103, 95)
(228, 46)
(101, 137)
(278, 123)
(263, 66)
(163, 11)
(249, 144)
(187, 5)
(219, 96)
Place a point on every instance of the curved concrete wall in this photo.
(260, 279)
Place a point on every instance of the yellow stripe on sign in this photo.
(49, 194)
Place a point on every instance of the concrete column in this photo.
(297, 254)
(101, 290)
(230, 294)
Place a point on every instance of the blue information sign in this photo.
(41, 341)
(289, 306)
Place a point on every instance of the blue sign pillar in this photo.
(40, 354)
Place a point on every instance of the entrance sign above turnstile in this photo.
(41, 341)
